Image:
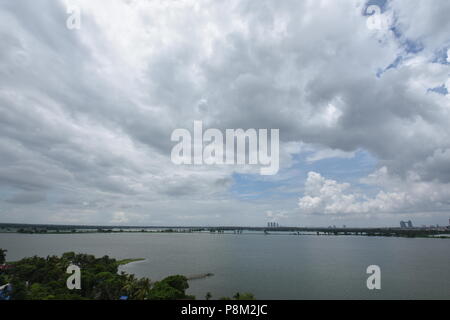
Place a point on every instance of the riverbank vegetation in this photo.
(127, 261)
(37, 278)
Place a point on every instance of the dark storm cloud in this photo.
(27, 198)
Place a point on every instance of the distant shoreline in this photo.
(412, 234)
(124, 262)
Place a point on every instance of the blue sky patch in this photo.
(289, 182)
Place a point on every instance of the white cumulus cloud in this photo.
(325, 196)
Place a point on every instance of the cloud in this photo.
(124, 218)
(27, 198)
(86, 115)
(329, 153)
(423, 22)
(276, 216)
(325, 196)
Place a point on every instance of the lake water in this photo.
(270, 267)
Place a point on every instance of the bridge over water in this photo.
(404, 232)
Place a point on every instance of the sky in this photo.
(358, 91)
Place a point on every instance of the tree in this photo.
(108, 286)
(130, 286)
(141, 289)
(245, 296)
(45, 279)
(170, 288)
(208, 296)
(178, 282)
(19, 291)
(163, 291)
(3, 256)
(240, 296)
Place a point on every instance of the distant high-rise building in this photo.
(410, 225)
(403, 224)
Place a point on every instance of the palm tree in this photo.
(137, 289)
(143, 288)
(130, 286)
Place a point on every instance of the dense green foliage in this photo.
(2, 256)
(240, 296)
(38, 278)
(3, 279)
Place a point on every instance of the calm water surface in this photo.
(271, 267)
